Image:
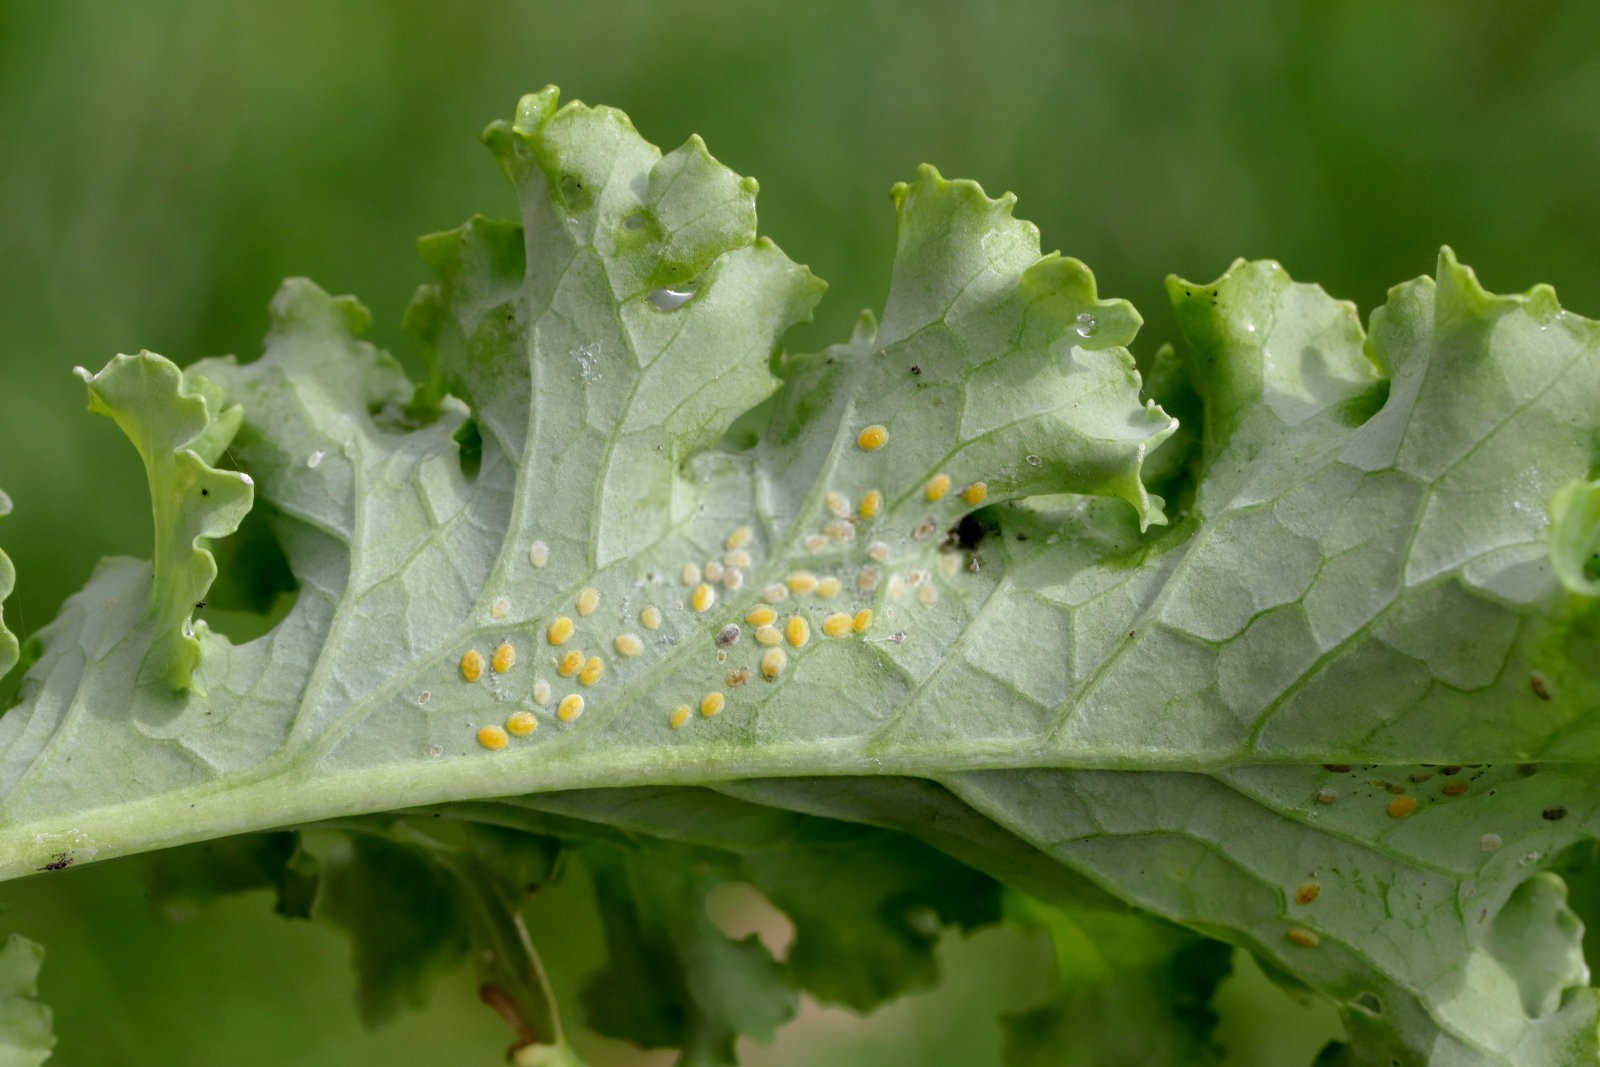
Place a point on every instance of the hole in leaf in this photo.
(739, 909)
(255, 587)
(1361, 407)
(469, 448)
(974, 526)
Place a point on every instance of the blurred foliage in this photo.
(168, 161)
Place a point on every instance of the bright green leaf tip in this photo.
(179, 427)
(1575, 536)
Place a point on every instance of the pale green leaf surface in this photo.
(1363, 574)
(26, 1037)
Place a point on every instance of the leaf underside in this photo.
(1353, 649)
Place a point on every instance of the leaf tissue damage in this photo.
(1287, 706)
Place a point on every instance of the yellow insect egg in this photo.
(872, 438)
(736, 557)
(760, 616)
(937, 487)
(814, 543)
(650, 617)
(867, 580)
(1301, 937)
(828, 588)
(628, 645)
(897, 587)
(712, 571)
(1307, 892)
(492, 738)
(588, 600)
(703, 597)
(521, 723)
(500, 608)
(871, 504)
(801, 582)
(797, 630)
(862, 620)
(732, 578)
(836, 625)
(505, 657)
(768, 635)
(840, 530)
(593, 667)
(538, 553)
(772, 662)
(472, 665)
(975, 494)
(570, 708)
(927, 596)
(738, 537)
(712, 703)
(679, 716)
(571, 664)
(878, 551)
(838, 504)
(690, 574)
(559, 630)
(1402, 805)
(776, 593)
(541, 692)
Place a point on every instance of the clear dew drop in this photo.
(588, 360)
(667, 298)
(1084, 325)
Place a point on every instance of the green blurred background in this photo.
(167, 162)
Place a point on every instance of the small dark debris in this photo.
(1527, 770)
(1449, 770)
(916, 368)
(62, 861)
(1420, 776)
(205, 492)
(1554, 813)
(1336, 768)
(1539, 685)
